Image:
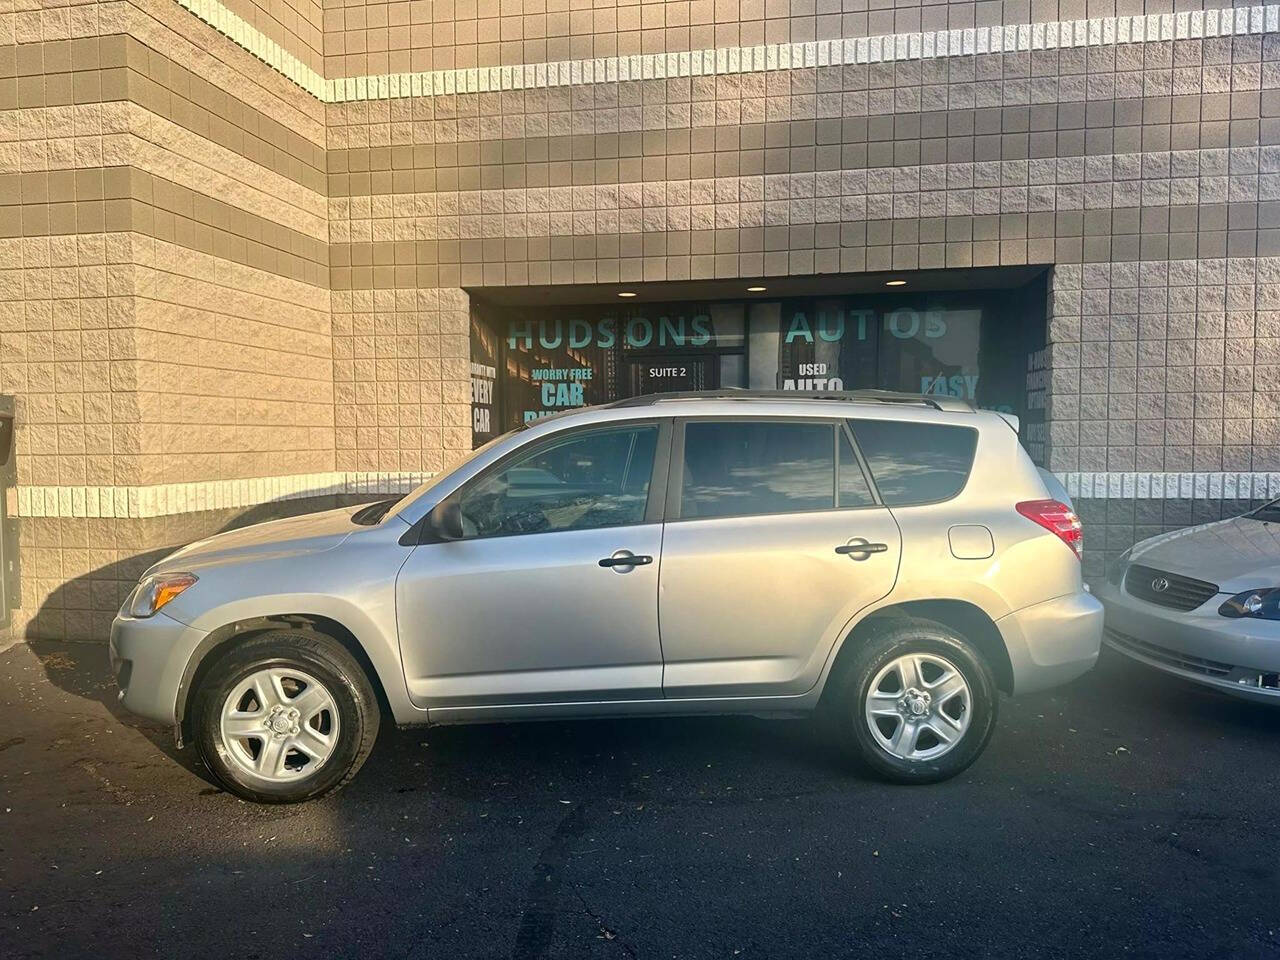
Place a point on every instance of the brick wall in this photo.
(215, 268)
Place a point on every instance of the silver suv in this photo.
(887, 561)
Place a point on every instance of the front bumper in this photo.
(1054, 642)
(1236, 656)
(148, 660)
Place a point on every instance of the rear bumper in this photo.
(148, 659)
(1199, 645)
(1053, 642)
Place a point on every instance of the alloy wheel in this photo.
(279, 724)
(918, 706)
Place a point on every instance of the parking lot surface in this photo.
(1125, 814)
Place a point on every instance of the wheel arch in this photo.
(966, 618)
(218, 642)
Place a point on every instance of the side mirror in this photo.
(445, 520)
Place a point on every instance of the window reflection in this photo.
(732, 469)
(583, 482)
(916, 462)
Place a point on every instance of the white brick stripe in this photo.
(252, 39)
(887, 48)
(162, 500)
(1120, 485)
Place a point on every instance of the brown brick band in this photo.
(118, 67)
(1092, 236)
(171, 212)
(1099, 127)
(115, 199)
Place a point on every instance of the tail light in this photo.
(1058, 519)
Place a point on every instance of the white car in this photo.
(1203, 604)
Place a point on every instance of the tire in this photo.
(333, 739)
(968, 715)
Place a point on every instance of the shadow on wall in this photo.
(82, 607)
(104, 589)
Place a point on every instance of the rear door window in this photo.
(916, 463)
(739, 468)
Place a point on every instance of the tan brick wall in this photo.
(206, 273)
(166, 27)
(229, 248)
(401, 380)
(164, 304)
(234, 369)
(66, 348)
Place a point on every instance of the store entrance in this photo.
(666, 374)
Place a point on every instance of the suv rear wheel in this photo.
(916, 703)
(284, 717)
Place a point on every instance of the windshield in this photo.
(398, 506)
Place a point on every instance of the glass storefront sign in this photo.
(978, 345)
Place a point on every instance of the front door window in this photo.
(584, 481)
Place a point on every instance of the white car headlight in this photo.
(155, 591)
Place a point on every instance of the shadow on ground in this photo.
(1124, 814)
(1113, 816)
(464, 753)
(463, 756)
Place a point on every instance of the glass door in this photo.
(658, 373)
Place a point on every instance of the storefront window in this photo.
(832, 345)
(978, 345)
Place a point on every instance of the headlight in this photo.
(1263, 603)
(155, 591)
(1116, 568)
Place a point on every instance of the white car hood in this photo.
(1236, 554)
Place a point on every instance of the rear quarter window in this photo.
(916, 463)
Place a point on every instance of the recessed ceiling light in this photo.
(626, 293)
(756, 289)
(895, 283)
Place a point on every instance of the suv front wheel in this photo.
(284, 717)
(915, 702)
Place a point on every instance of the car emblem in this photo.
(1159, 584)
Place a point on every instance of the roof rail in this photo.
(949, 404)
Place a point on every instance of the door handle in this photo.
(628, 560)
(862, 549)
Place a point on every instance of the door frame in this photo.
(711, 362)
(654, 506)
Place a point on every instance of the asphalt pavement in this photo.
(1125, 814)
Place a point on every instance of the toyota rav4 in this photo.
(889, 562)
